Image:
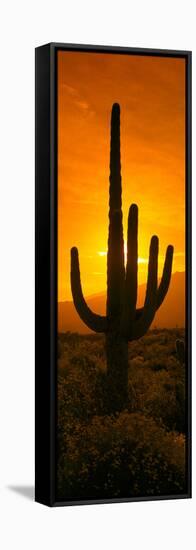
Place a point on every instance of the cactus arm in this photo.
(165, 281)
(132, 256)
(166, 277)
(95, 322)
(130, 295)
(115, 256)
(140, 326)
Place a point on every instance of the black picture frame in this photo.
(46, 264)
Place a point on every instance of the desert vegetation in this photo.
(134, 452)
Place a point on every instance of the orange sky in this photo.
(151, 93)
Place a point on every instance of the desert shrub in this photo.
(158, 392)
(127, 455)
(81, 388)
(157, 381)
(166, 402)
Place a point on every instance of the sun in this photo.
(103, 253)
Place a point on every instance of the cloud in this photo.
(72, 91)
(79, 100)
(82, 105)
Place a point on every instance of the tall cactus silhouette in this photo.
(123, 322)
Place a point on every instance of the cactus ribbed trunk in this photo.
(117, 370)
(116, 345)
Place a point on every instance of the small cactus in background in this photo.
(180, 350)
(123, 322)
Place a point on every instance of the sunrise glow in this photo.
(103, 253)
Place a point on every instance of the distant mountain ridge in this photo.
(170, 314)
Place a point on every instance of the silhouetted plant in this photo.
(123, 322)
(180, 350)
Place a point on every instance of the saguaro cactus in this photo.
(123, 322)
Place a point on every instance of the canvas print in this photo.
(121, 188)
